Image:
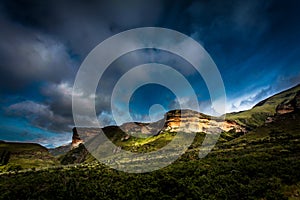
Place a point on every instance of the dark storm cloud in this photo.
(42, 43)
(27, 55)
(42, 40)
(59, 99)
(83, 24)
(39, 115)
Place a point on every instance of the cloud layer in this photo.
(254, 43)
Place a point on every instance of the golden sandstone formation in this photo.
(174, 121)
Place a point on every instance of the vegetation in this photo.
(262, 164)
(251, 166)
(15, 156)
(256, 116)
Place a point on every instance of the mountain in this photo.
(14, 155)
(174, 121)
(146, 137)
(156, 135)
(284, 102)
(256, 157)
(60, 150)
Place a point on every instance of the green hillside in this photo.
(116, 135)
(263, 164)
(17, 156)
(260, 164)
(60, 150)
(258, 114)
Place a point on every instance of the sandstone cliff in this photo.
(174, 121)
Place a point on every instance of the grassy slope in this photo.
(25, 155)
(58, 151)
(251, 118)
(265, 167)
(257, 115)
(133, 144)
(263, 164)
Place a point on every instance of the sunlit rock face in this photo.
(174, 121)
(289, 106)
(76, 139)
(192, 121)
(83, 134)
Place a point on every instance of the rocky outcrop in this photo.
(184, 121)
(174, 121)
(137, 128)
(81, 134)
(76, 140)
(192, 121)
(289, 106)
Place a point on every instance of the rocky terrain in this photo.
(188, 121)
(256, 157)
(192, 121)
(174, 121)
(289, 106)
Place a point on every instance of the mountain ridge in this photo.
(233, 121)
(262, 163)
(287, 101)
(258, 115)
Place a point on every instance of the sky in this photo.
(254, 43)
